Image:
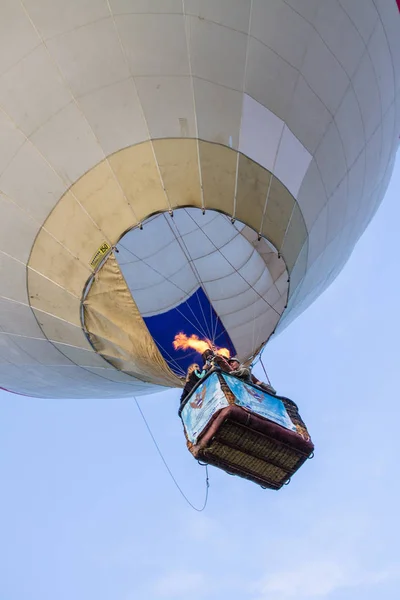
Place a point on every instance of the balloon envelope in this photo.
(203, 168)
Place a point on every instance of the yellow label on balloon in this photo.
(99, 255)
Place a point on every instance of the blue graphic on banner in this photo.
(259, 402)
(204, 403)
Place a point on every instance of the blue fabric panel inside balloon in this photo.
(193, 316)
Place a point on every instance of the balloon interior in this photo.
(242, 429)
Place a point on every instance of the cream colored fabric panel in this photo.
(137, 172)
(70, 225)
(51, 298)
(278, 212)
(122, 334)
(294, 239)
(252, 189)
(218, 173)
(55, 262)
(178, 161)
(101, 195)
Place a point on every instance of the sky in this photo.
(88, 510)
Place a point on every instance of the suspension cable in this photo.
(169, 470)
(265, 372)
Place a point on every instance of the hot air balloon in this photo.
(202, 168)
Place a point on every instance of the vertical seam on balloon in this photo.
(299, 77)
(243, 91)
(187, 32)
(134, 86)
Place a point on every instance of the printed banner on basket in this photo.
(259, 402)
(205, 402)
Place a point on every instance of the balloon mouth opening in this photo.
(196, 280)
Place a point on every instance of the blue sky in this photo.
(87, 510)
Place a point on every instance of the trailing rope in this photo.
(169, 470)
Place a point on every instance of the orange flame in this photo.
(183, 342)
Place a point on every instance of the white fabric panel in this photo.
(139, 276)
(253, 268)
(221, 230)
(347, 47)
(299, 270)
(18, 319)
(337, 211)
(154, 237)
(350, 126)
(155, 44)
(317, 236)
(363, 14)
(185, 279)
(234, 14)
(17, 34)
(281, 285)
(373, 155)
(331, 160)
(323, 73)
(17, 230)
(14, 285)
(79, 150)
(85, 358)
(159, 298)
(270, 80)
(98, 50)
(260, 133)
(389, 15)
(231, 305)
(312, 195)
(306, 8)
(308, 117)
(246, 337)
(388, 133)
(12, 140)
(40, 187)
(246, 315)
(355, 181)
(170, 261)
(35, 77)
(115, 116)
(145, 6)
(282, 29)
(217, 54)
(40, 351)
(238, 251)
(222, 123)
(265, 285)
(367, 92)
(198, 245)
(54, 17)
(11, 354)
(383, 64)
(292, 162)
(167, 105)
(226, 287)
(185, 220)
(212, 269)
